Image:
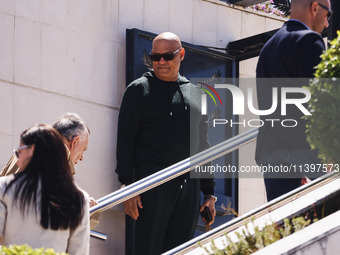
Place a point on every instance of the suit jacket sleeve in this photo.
(310, 47)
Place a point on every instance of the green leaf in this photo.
(27, 250)
(324, 125)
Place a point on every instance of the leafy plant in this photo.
(26, 250)
(249, 243)
(283, 5)
(279, 8)
(324, 123)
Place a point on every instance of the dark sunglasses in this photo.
(330, 12)
(166, 56)
(16, 151)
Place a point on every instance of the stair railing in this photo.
(174, 171)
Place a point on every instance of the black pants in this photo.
(276, 187)
(168, 218)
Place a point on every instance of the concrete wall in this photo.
(60, 56)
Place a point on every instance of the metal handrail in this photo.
(173, 171)
(98, 235)
(254, 214)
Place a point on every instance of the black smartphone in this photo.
(206, 214)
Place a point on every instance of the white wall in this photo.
(252, 190)
(60, 56)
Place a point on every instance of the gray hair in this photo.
(71, 125)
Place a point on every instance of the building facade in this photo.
(70, 56)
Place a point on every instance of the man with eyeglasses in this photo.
(154, 133)
(293, 52)
(76, 138)
(76, 134)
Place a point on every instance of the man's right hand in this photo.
(131, 207)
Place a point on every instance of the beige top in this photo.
(17, 228)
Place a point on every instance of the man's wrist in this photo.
(210, 196)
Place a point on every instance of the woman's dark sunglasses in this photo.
(166, 56)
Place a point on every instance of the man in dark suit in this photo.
(292, 52)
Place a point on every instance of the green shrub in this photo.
(324, 123)
(26, 250)
(250, 243)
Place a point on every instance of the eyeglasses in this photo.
(16, 151)
(167, 56)
(330, 12)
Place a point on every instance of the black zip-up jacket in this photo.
(157, 121)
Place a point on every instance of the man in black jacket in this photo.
(153, 133)
(292, 52)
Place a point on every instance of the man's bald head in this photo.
(299, 3)
(167, 43)
(302, 5)
(311, 13)
(169, 37)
